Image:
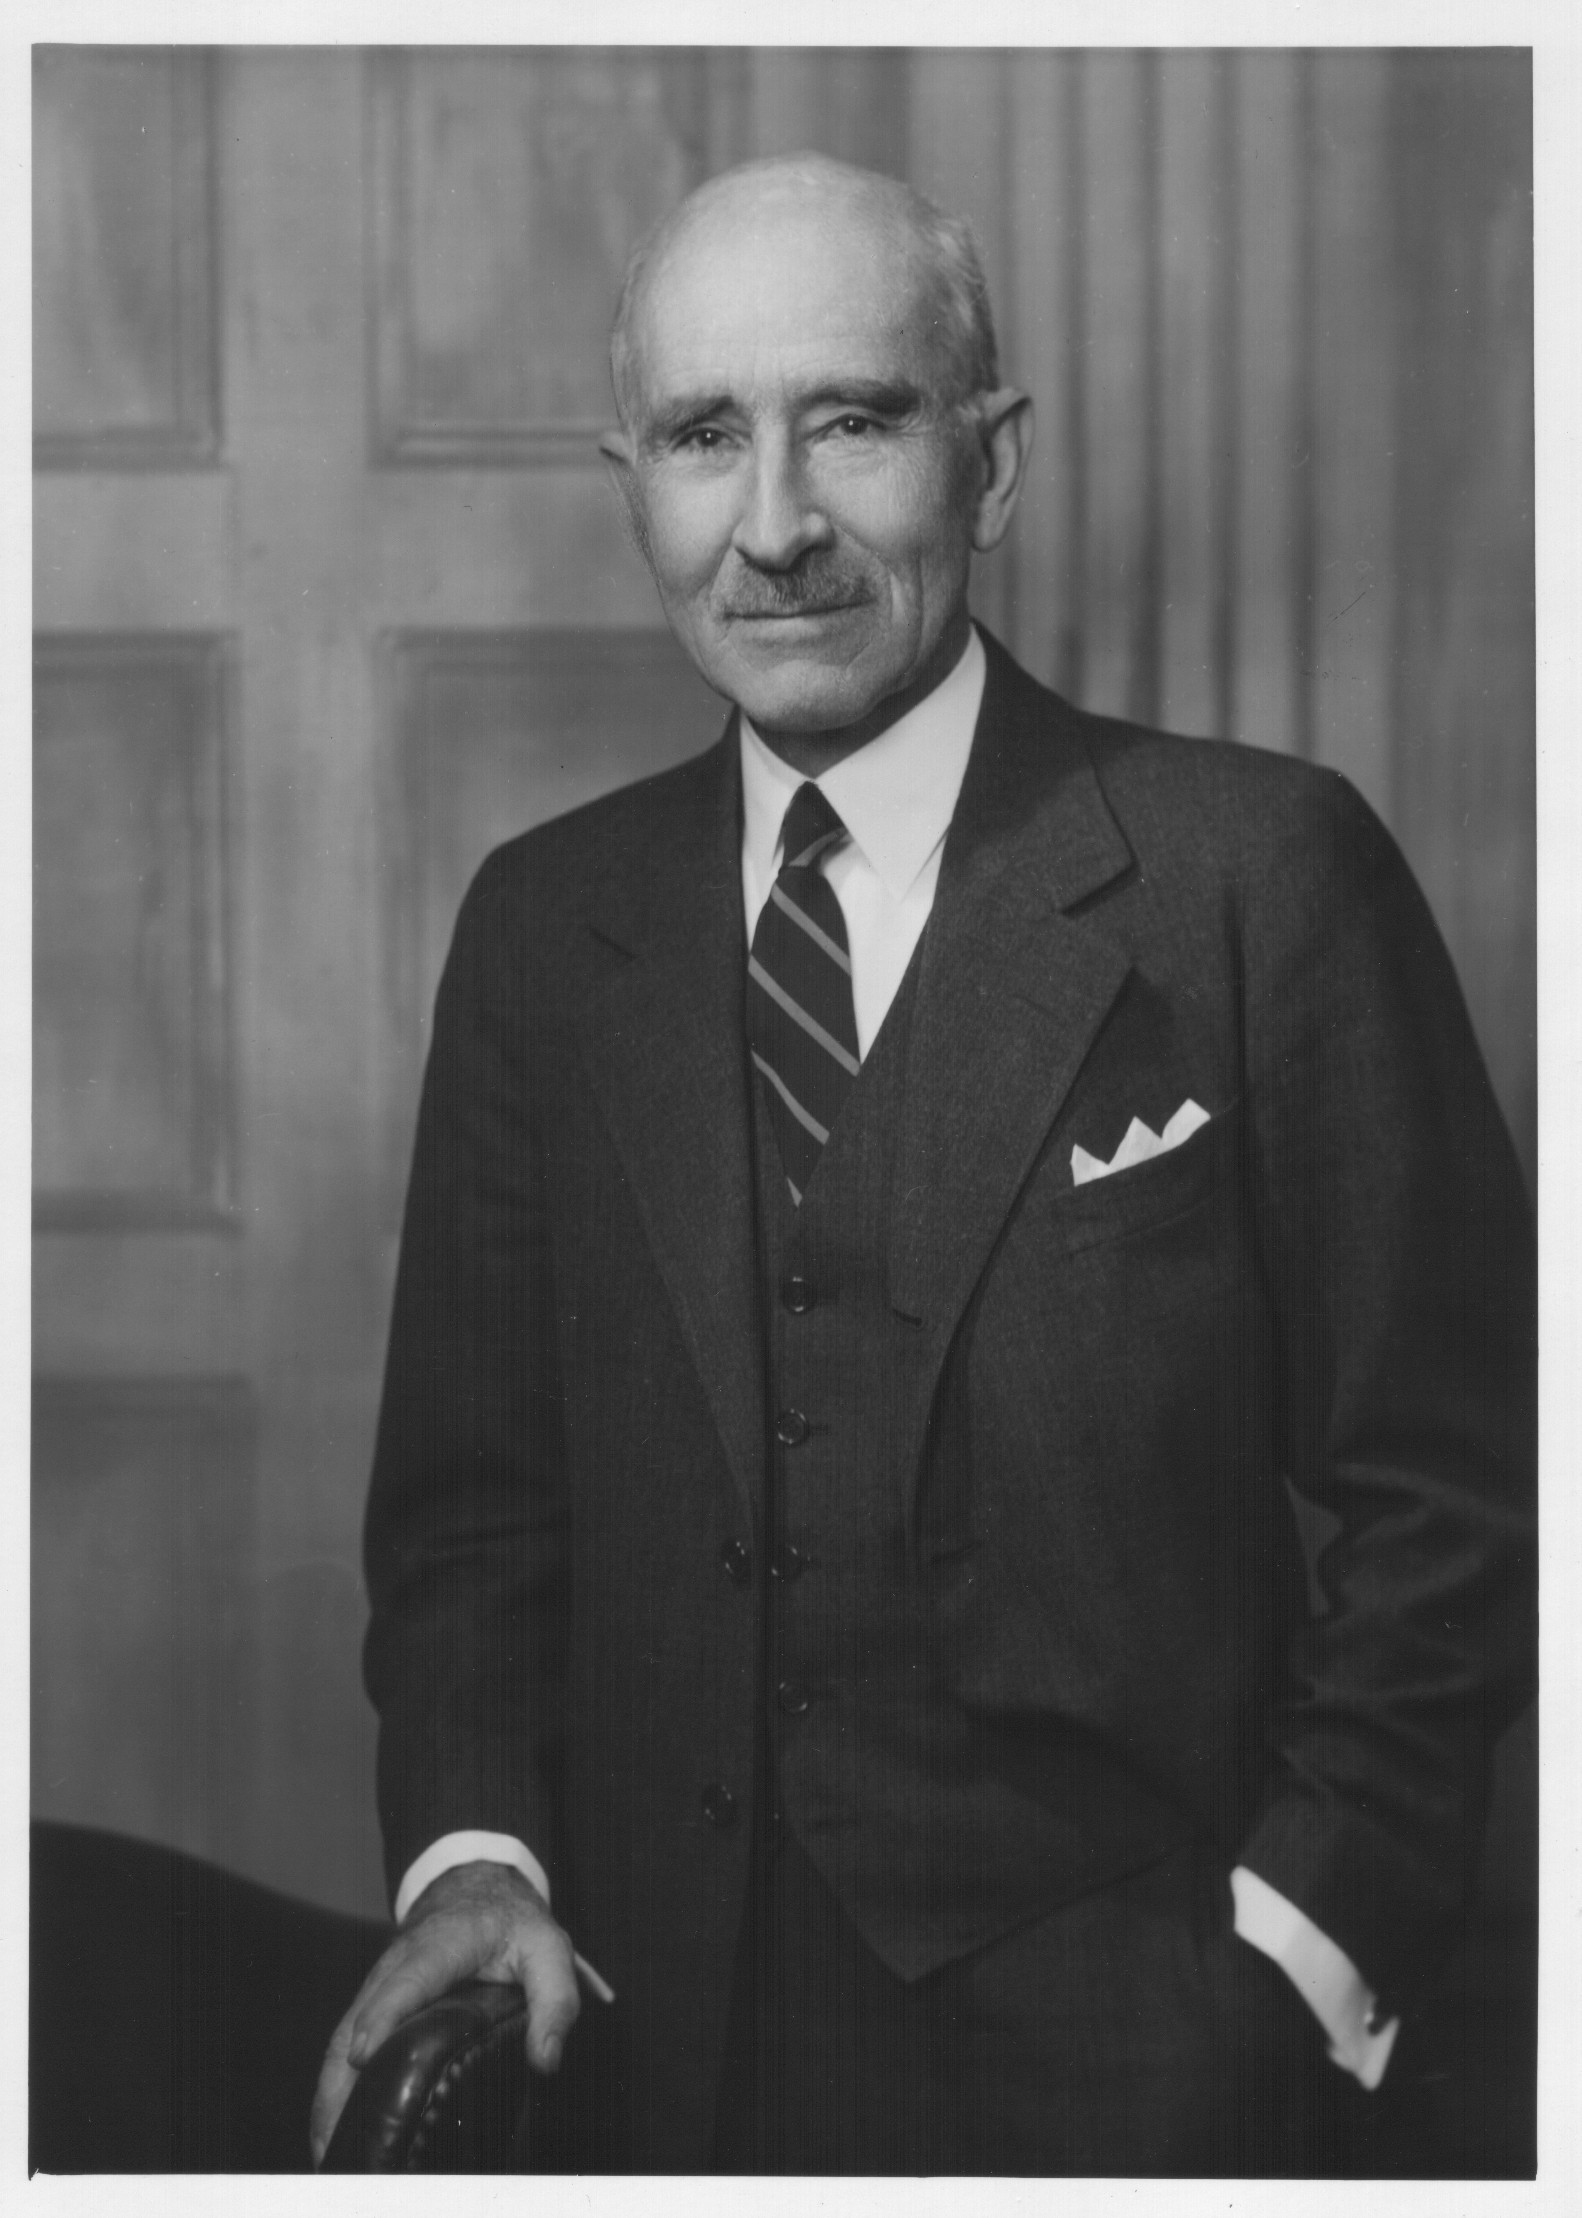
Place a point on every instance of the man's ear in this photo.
(620, 463)
(1005, 442)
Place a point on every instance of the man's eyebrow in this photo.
(681, 415)
(875, 396)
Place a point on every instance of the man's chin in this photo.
(791, 681)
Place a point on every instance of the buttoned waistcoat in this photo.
(1083, 1409)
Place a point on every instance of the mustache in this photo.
(795, 592)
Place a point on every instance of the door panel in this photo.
(490, 335)
(132, 1016)
(123, 211)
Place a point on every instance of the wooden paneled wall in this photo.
(331, 596)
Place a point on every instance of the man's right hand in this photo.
(475, 1921)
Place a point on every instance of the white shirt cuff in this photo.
(1323, 1975)
(467, 1848)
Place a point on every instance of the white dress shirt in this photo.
(896, 797)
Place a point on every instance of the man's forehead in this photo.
(759, 203)
(833, 247)
(781, 290)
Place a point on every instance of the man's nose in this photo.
(779, 520)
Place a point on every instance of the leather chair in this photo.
(447, 2092)
(178, 2016)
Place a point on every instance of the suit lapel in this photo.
(664, 1041)
(1011, 995)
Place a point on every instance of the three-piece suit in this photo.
(944, 1525)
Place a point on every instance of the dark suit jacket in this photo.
(1329, 1288)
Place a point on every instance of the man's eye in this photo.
(852, 427)
(702, 439)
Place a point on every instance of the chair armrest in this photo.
(445, 2093)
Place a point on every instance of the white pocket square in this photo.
(1139, 1144)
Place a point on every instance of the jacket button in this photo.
(799, 1294)
(738, 1562)
(791, 1428)
(787, 1563)
(794, 1698)
(719, 1806)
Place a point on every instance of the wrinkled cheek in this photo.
(687, 542)
(688, 593)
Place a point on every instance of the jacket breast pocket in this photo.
(1151, 1195)
(1107, 1319)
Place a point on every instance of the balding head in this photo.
(759, 200)
(812, 445)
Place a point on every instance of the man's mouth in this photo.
(781, 612)
(788, 615)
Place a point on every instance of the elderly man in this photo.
(898, 1203)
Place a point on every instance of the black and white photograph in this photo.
(785, 1106)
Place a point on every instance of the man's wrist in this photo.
(452, 1849)
(1321, 1972)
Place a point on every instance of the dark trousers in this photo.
(1129, 2032)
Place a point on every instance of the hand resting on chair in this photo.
(475, 1921)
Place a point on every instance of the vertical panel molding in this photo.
(1355, 342)
(1271, 575)
(1193, 390)
(1041, 347)
(1120, 431)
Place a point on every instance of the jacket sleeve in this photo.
(1399, 1246)
(465, 1536)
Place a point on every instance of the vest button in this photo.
(799, 1294)
(738, 1562)
(787, 1563)
(791, 1428)
(794, 1698)
(719, 1806)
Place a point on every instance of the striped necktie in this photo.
(801, 1024)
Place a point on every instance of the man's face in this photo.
(803, 492)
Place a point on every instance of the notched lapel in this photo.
(663, 1038)
(1012, 992)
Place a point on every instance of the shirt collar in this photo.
(896, 796)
